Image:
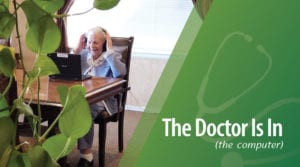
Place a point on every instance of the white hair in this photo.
(97, 30)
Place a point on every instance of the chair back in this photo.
(123, 45)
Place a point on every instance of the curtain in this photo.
(61, 23)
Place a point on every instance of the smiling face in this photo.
(95, 42)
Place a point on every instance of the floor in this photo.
(112, 156)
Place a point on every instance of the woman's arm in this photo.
(118, 68)
(81, 44)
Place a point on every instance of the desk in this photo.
(97, 88)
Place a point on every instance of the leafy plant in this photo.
(202, 7)
(42, 37)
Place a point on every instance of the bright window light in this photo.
(155, 24)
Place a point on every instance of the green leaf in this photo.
(24, 108)
(50, 6)
(4, 109)
(26, 160)
(76, 109)
(43, 35)
(18, 159)
(63, 93)
(7, 23)
(27, 110)
(4, 5)
(32, 12)
(7, 62)
(105, 4)
(43, 66)
(59, 145)
(5, 156)
(3, 9)
(40, 157)
(7, 130)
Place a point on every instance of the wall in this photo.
(145, 72)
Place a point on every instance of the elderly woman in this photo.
(98, 59)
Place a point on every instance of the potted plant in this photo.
(42, 37)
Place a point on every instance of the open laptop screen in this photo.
(69, 66)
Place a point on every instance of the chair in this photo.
(123, 46)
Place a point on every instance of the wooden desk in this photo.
(97, 88)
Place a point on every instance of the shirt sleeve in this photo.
(113, 58)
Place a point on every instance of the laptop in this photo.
(69, 66)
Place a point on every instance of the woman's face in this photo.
(95, 42)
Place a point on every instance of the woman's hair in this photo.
(97, 30)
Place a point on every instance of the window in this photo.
(155, 24)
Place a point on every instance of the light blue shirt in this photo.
(108, 65)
